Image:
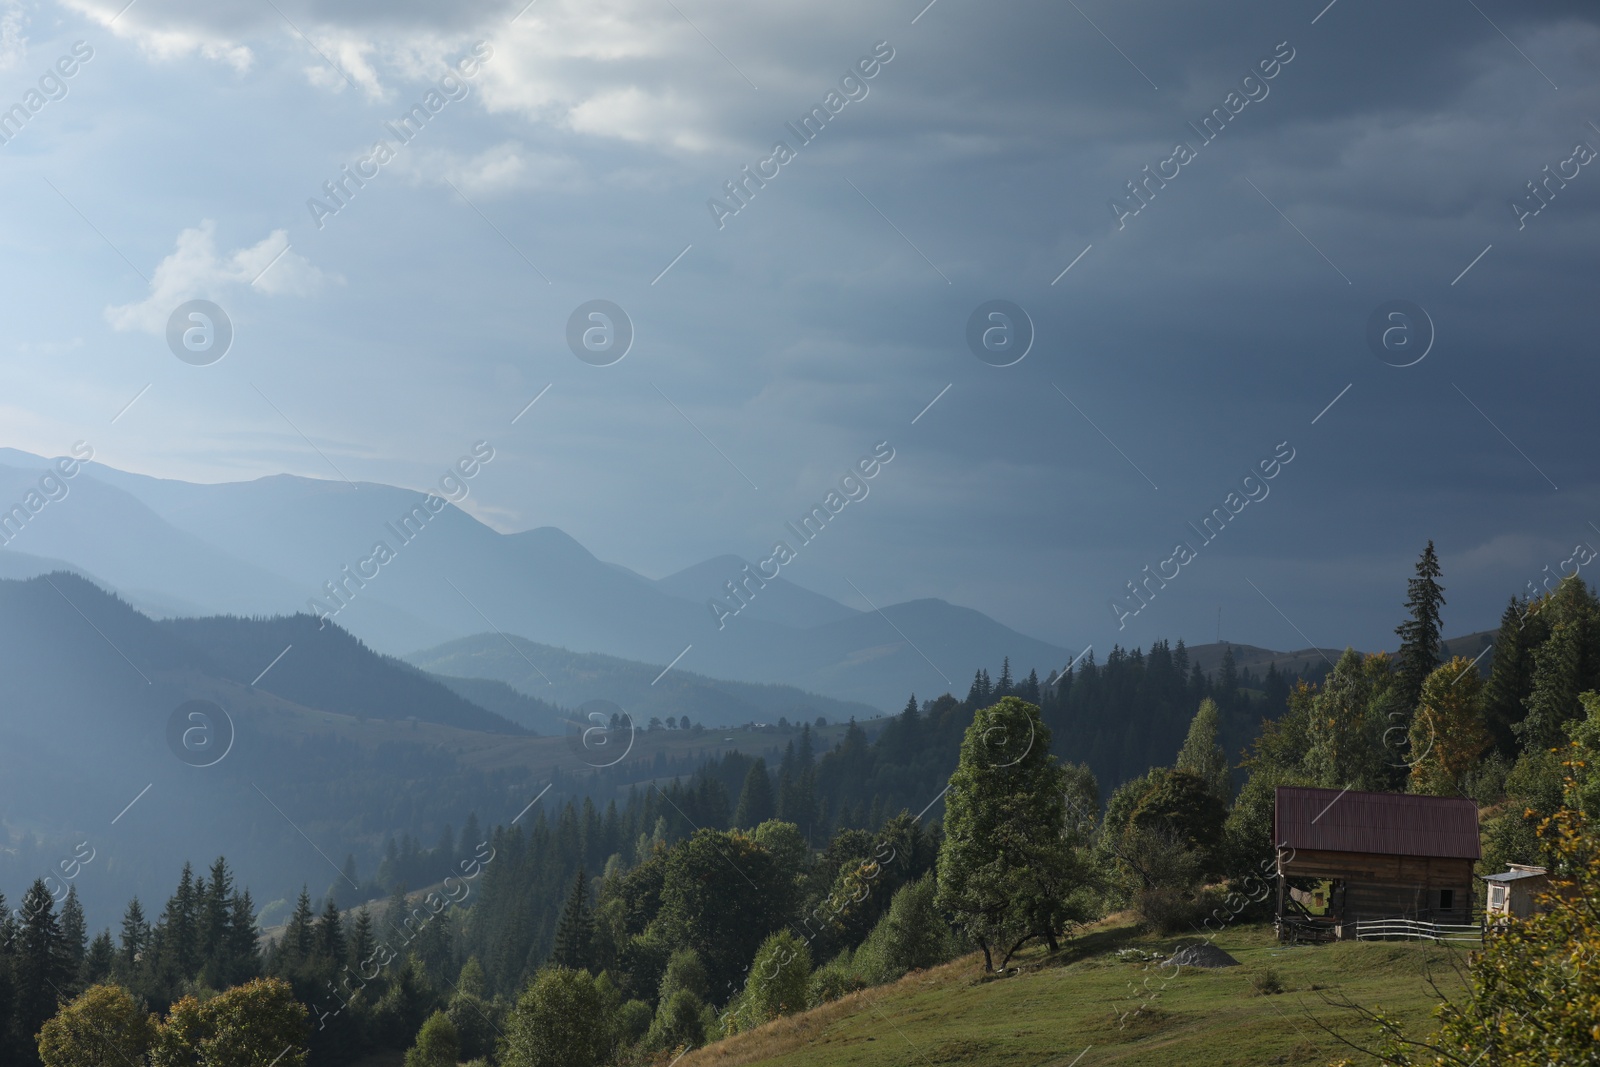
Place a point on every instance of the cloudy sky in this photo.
(375, 337)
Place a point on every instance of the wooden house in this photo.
(1345, 857)
(1514, 894)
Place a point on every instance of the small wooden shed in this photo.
(1373, 856)
(1514, 894)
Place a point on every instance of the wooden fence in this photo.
(1413, 930)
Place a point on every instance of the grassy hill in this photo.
(1083, 1008)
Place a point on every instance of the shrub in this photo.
(834, 979)
(1168, 910)
(678, 1022)
(911, 935)
(779, 982)
(1266, 983)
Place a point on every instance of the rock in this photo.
(1204, 954)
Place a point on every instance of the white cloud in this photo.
(175, 38)
(13, 41)
(195, 269)
(501, 168)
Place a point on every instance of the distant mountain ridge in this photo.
(272, 545)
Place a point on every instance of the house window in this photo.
(1497, 895)
(1447, 899)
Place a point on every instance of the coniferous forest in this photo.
(706, 904)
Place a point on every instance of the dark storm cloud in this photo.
(1192, 337)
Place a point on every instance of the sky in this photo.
(1347, 267)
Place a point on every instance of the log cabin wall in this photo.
(1380, 886)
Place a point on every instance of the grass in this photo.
(1086, 1001)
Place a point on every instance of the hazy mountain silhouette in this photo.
(282, 544)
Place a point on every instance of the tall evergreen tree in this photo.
(755, 799)
(1029, 689)
(330, 942)
(1511, 673)
(74, 935)
(42, 970)
(575, 933)
(1420, 634)
(299, 935)
(98, 962)
(135, 938)
(362, 938)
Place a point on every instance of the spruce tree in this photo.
(362, 938)
(330, 943)
(755, 799)
(299, 937)
(215, 918)
(575, 933)
(243, 952)
(41, 967)
(1511, 673)
(1419, 634)
(1029, 689)
(135, 939)
(74, 935)
(98, 962)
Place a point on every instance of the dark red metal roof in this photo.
(1392, 824)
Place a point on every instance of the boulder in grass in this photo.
(1204, 954)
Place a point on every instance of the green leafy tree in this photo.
(721, 894)
(103, 1027)
(1356, 725)
(679, 1023)
(1202, 754)
(1004, 865)
(561, 1020)
(438, 1044)
(780, 977)
(257, 1024)
(1419, 634)
(911, 936)
(1447, 732)
(1557, 680)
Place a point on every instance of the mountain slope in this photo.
(323, 667)
(780, 600)
(639, 688)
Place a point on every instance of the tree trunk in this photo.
(1012, 951)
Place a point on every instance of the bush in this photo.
(1168, 911)
(475, 1026)
(685, 971)
(911, 935)
(1266, 983)
(834, 979)
(779, 982)
(679, 1022)
(632, 1022)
